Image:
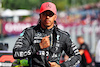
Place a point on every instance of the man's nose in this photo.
(47, 17)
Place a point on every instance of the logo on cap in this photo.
(48, 6)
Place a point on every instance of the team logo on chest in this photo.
(38, 37)
(38, 34)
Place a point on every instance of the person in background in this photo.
(43, 44)
(97, 55)
(1, 46)
(4, 46)
(84, 52)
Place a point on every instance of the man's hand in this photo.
(81, 51)
(54, 64)
(45, 42)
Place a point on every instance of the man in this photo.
(84, 52)
(44, 43)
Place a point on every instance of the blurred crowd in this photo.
(87, 14)
(80, 17)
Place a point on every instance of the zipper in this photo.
(51, 40)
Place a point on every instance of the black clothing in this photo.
(27, 45)
(86, 57)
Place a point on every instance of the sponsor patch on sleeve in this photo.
(22, 33)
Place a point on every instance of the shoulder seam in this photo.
(31, 27)
(64, 32)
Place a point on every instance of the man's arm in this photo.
(73, 53)
(81, 51)
(23, 46)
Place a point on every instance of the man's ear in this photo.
(55, 17)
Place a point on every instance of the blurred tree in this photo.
(30, 4)
(20, 4)
(61, 5)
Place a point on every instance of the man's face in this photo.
(80, 40)
(47, 19)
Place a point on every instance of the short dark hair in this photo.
(79, 37)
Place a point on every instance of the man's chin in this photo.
(47, 26)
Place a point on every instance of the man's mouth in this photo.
(47, 21)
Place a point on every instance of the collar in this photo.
(46, 30)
